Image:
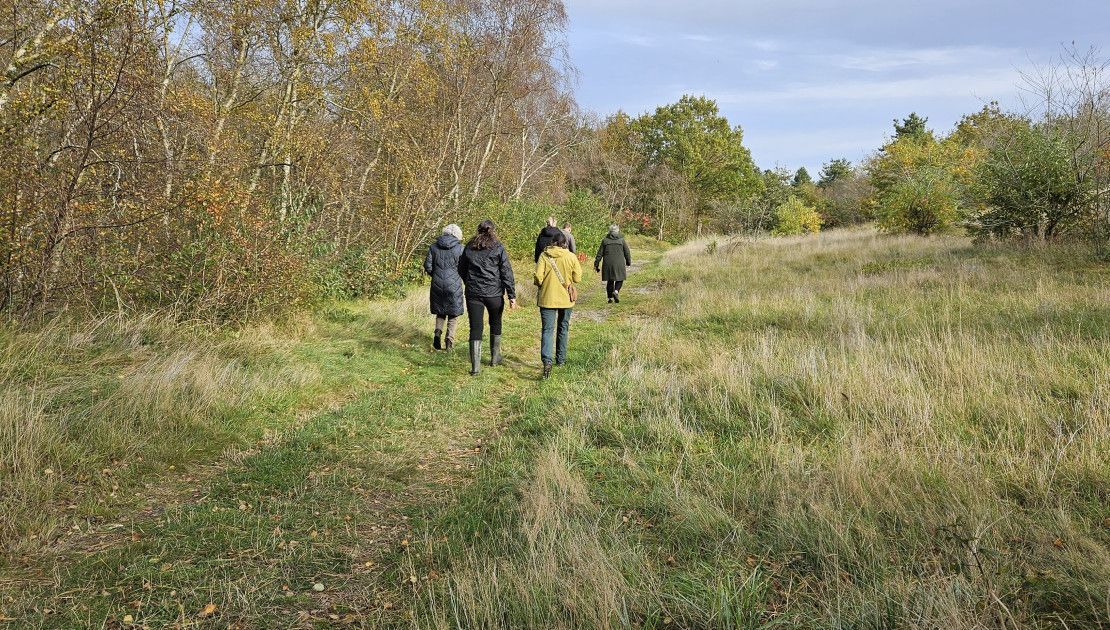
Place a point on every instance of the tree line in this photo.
(223, 158)
(1036, 175)
(1040, 174)
(234, 156)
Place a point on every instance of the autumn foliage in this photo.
(225, 158)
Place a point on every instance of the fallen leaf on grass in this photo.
(208, 610)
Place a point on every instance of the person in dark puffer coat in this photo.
(488, 275)
(613, 259)
(547, 236)
(442, 264)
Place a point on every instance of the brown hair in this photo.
(486, 238)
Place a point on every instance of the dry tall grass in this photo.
(850, 430)
(85, 405)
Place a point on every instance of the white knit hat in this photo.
(453, 230)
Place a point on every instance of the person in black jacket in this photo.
(547, 236)
(446, 298)
(612, 261)
(485, 269)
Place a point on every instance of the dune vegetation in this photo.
(845, 429)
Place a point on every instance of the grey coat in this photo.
(613, 258)
(571, 245)
(442, 264)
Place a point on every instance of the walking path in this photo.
(313, 525)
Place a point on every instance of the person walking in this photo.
(613, 259)
(546, 236)
(485, 269)
(571, 246)
(446, 298)
(557, 273)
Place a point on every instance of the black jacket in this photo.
(487, 272)
(442, 264)
(613, 258)
(546, 237)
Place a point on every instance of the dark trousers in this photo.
(476, 308)
(613, 286)
(554, 334)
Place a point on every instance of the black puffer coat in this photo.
(546, 237)
(442, 264)
(613, 258)
(487, 272)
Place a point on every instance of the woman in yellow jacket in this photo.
(557, 271)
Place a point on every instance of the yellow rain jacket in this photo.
(552, 293)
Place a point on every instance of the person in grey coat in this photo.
(613, 259)
(442, 264)
(571, 245)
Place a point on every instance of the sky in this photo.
(812, 80)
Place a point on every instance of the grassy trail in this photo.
(311, 524)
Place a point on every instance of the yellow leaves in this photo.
(208, 610)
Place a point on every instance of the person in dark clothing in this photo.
(442, 264)
(547, 235)
(485, 269)
(613, 259)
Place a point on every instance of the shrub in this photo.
(795, 217)
(918, 185)
(519, 221)
(846, 200)
(1027, 186)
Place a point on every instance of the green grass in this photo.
(848, 430)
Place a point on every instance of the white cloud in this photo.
(986, 84)
(887, 59)
(643, 41)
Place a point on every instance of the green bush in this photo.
(917, 185)
(1027, 186)
(519, 221)
(795, 217)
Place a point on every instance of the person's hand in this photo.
(512, 303)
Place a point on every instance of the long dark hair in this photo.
(486, 238)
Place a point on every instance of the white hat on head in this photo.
(453, 230)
